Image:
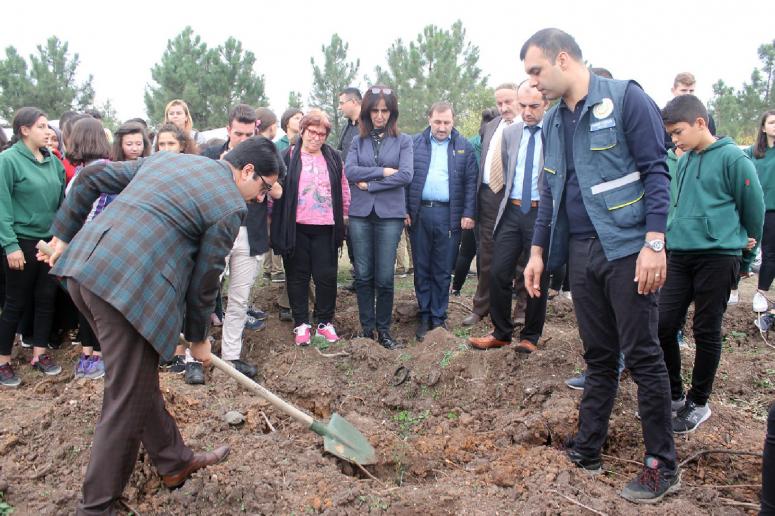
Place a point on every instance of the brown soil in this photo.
(456, 430)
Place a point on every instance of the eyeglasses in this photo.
(316, 135)
(377, 91)
(267, 186)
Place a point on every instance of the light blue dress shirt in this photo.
(516, 188)
(437, 183)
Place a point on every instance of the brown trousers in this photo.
(132, 408)
(487, 211)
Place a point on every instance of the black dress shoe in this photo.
(387, 341)
(593, 464)
(195, 373)
(248, 370)
(363, 334)
(422, 329)
(439, 325)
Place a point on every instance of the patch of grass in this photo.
(452, 415)
(447, 358)
(5, 507)
(404, 357)
(462, 332)
(406, 420)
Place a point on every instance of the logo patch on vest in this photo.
(604, 108)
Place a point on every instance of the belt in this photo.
(434, 204)
(518, 202)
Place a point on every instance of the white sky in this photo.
(648, 41)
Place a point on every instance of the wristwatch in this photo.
(655, 245)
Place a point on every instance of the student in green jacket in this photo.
(716, 210)
(32, 185)
(763, 155)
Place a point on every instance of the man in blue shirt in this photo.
(441, 202)
(604, 203)
(522, 155)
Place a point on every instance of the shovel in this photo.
(340, 437)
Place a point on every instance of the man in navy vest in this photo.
(604, 202)
(441, 201)
(522, 156)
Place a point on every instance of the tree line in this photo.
(439, 64)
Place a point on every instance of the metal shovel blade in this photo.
(342, 439)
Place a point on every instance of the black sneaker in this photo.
(285, 314)
(257, 314)
(45, 365)
(178, 364)
(248, 370)
(592, 464)
(422, 329)
(653, 483)
(251, 323)
(387, 341)
(195, 373)
(8, 377)
(689, 417)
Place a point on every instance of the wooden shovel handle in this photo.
(249, 384)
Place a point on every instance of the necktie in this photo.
(496, 166)
(527, 181)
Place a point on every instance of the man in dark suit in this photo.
(490, 194)
(522, 157)
(155, 253)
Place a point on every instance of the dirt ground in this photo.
(456, 431)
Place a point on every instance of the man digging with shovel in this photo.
(157, 251)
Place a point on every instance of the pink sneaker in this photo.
(328, 332)
(302, 332)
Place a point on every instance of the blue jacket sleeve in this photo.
(405, 168)
(357, 172)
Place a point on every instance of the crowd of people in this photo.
(632, 211)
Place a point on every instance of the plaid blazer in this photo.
(159, 248)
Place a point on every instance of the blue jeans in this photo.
(375, 241)
(434, 248)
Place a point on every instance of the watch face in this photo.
(657, 245)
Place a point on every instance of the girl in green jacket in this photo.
(32, 183)
(763, 155)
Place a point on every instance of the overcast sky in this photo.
(119, 42)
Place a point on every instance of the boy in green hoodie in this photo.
(716, 210)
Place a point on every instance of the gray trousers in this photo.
(132, 408)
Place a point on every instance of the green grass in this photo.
(406, 420)
(5, 507)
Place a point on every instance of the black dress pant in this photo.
(513, 236)
(313, 256)
(767, 270)
(707, 280)
(768, 467)
(30, 288)
(466, 255)
(614, 318)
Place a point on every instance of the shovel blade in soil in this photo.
(342, 439)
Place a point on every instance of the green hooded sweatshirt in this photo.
(765, 169)
(30, 194)
(717, 201)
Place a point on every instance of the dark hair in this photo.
(441, 107)
(25, 117)
(352, 93)
(760, 147)
(257, 151)
(88, 142)
(3, 139)
(68, 124)
(243, 114)
(94, 113)
(601, 72)
(370, 101)
(684, 108)
(265, 117)
(488, 115)
(287, 115)
(127, 129)
(552, 42)
(187, 144)
(139, 120)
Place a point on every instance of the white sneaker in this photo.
(734, 297)
(760, 303)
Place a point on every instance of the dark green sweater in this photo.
(30, 194)
(765, 169)
(717, 201)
